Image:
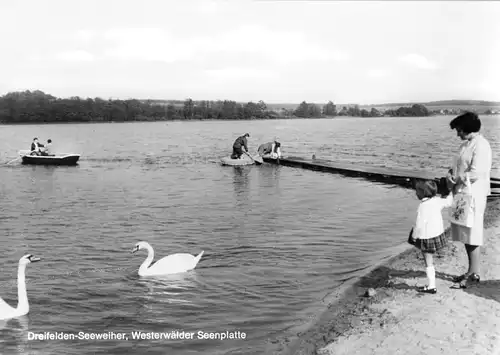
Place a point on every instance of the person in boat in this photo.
(273, 149)
(239, 144)
(47, 151)
(35, 147)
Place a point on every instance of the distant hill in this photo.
(432, 105)
(477, 105)
(445, 103)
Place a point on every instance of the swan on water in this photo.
(170, 264)
(23, 307)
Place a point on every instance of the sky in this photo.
(277, 51)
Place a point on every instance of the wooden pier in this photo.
(401, 177)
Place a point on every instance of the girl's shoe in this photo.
(426, 289)
(472, 279)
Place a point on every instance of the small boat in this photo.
(244, 160)
(59, 159)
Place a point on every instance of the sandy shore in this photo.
(399, 320)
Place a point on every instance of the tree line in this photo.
(306, 110)
(38, 107)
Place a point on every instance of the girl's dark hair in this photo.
(428, 187)
(467, 122)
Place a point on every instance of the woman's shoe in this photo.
(472, 279)
(426, 289)
(460, 278)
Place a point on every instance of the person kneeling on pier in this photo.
(272, 149)
(238, 145)
(428, 233)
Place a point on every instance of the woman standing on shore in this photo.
(473, 162)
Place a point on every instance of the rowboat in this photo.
(59, 159)
(244, 160)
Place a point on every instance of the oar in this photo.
(13, 160)
(255, 161)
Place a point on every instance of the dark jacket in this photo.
(267, 148)
(33, 146)
(241, 141)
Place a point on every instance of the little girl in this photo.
(428, 232)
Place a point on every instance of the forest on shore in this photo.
(39, 107)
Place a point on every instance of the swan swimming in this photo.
(170, 264)
(23, 307)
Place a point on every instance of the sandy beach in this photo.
(399, 320)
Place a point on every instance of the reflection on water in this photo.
(19, 324)
(268, 176)
(172, 288)
(241, 180)
(269, 183)
(14, 334)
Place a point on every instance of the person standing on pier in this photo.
(238, 145)
(428, 234)
(472, 164)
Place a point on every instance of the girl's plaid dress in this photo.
(428, 232)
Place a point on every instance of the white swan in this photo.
(170, 264)
(23, 307)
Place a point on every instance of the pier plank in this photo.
(401, 177)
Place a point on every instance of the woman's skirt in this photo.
(474, 235)
(430, 245)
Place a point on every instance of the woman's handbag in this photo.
(462, 209)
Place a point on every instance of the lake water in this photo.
(277, 240)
